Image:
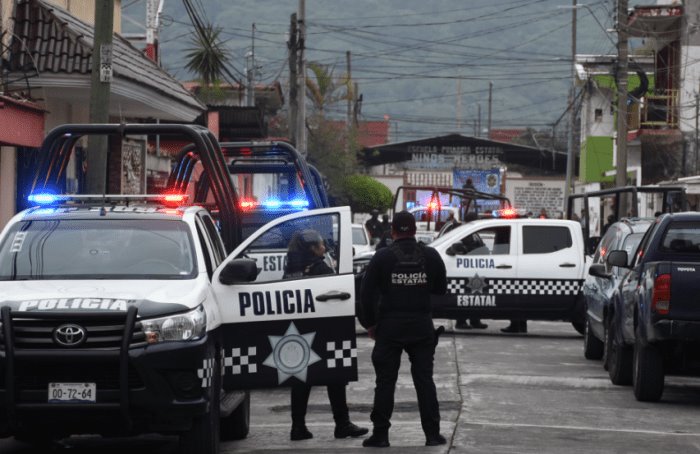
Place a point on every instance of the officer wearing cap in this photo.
(397, 313)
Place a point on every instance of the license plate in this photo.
(72, 392)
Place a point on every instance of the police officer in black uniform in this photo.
(305, 257)
(396, 311)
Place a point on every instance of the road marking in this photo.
(590, 429)
(535, 380)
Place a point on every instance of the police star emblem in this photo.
(291, 354)
(477, 284)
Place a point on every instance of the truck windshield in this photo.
(97, 249)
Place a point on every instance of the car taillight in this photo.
(661, 296)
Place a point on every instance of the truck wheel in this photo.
(203, 437)
(580, 327)
(648, 377)
(237, 424)
(592, 346)
(619, 358)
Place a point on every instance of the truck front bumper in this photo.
(139, 389)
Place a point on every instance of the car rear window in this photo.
(681, 238)
(545, 239)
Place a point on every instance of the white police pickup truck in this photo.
(119, 318)
(513, 269)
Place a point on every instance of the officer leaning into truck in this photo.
(396, 311)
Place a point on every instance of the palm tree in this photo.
(207, 57)
(323, 88)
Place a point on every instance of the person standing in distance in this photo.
(374, 226)
(397, 313)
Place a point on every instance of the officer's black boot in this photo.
(300, 432)
(378, 439)
(435, 440)
(348, 429)
(523, 326)
(514, 327)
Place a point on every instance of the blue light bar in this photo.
(276, 204)
(43, 198)
(272, 203)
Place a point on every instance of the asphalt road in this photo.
(498, 393)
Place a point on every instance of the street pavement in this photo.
(499, 393)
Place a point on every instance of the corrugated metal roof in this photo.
(48, 38)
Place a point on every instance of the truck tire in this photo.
(203, 436)
(236, 425)
(580, 327)
(593, 348)
(648, 377)
(619, 358)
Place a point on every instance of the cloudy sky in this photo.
(425, 65)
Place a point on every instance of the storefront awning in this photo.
(22, 123)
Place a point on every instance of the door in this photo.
(476, 261)
(286, 328)
(550, 270)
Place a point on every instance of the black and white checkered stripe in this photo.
(240, 362)
(206, 372)
(519, 286)
(341, 355)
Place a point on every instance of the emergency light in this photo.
(47, 198)
(506, 213)
(43, 198)
(274, 204)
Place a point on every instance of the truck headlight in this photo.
(191, 325)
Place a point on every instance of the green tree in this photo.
(207, 58)
(364, 194)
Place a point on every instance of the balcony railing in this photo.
(660, 110)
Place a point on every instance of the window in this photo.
(545, 239)
(681, 238)
(489, 241)
(98, 249)
(281, 254)
(607, 244)
(598, 115)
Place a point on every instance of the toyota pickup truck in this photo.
(654, 325)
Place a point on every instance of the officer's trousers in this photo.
(386, 358)
(336, 396)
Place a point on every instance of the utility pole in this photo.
(478, 119)
(96, 181)
(292, 43)
(350, 94)
(697, 143)
(458, 107)
(301, 93)
(570, 155)
(250, 74)
(490, 107)
(622, 64)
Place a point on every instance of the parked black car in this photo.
(655, 327)
(603, 280)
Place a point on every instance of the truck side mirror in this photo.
(618, 258)
(598, 270)
(239, 271)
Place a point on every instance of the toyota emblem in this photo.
(69, 335)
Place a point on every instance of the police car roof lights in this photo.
(508, 213)
(43, 198)
(50, 199)
(274, 204)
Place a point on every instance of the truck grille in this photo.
(36, 377)
(38, 334)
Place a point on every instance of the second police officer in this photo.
(397, 313)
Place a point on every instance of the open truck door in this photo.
(281, 330)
